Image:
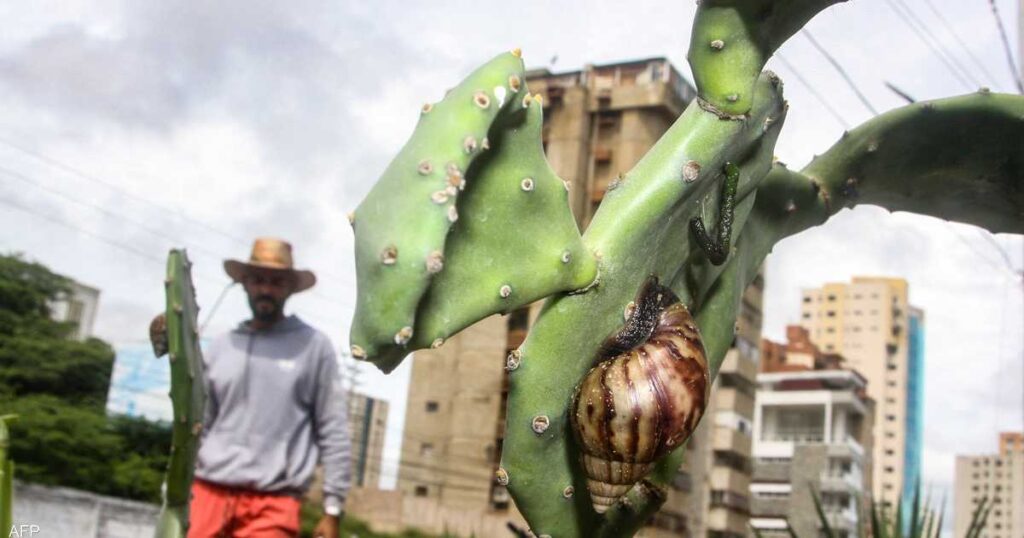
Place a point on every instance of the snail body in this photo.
(644, 398)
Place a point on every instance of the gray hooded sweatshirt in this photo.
(274, 406)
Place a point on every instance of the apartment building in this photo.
(368, 418)
(871, 324)
(999, 478)
(812, 432)
(78, 307)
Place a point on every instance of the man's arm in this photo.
(332, 431)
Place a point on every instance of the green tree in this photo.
(57, 386)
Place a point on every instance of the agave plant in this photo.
(921, 521)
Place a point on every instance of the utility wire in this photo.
(817, 95)
(923, 33)
(177, 213)
(963, 45)
(839, 69)
(1006, 47)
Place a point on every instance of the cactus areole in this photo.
(469, 220)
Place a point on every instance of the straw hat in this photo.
(270, 253)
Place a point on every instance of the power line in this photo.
(821, 99)
(1006, 47)
(176, 213)
(137, 252)
(839, 69)
(923, 33)
(952, 32)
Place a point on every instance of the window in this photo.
(831, 313)
(889, 469)
(831, 297)
(890, 418)
(432, 407)
(426, 449)
(421, 491)
(890, 452)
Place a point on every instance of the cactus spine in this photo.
(188, 395)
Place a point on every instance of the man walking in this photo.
(274, 406)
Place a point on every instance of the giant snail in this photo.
(645, 396)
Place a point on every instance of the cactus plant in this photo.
(179, 338)
(6, 476)
(956, 158)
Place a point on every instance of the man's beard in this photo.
(261, 312)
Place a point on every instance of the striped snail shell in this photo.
(645, 396)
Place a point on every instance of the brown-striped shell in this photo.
(644, 399)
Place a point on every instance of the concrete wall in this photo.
(64, 512)
(391, 511)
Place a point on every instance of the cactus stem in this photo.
(177, 309)
(389, 255)
(526, 184)
(500, 93)
(872, 146)
(505, 291)
(849, 189)
(790, 206)
(514, 359)
(718, 250)
(540, 424)
(357, 351)
(403, 336)
(501, 475)
(481, 100)
(717, 44)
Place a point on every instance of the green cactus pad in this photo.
(516, 242)
(733, 39)
(188, 394)
(974, 151)
(402, 224)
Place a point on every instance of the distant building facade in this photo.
(872, 325)
(368, 418)
(78, 307)
(998, 478)
(812, 429)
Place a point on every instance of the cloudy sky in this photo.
(131, 127)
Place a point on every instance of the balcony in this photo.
(765, 471)
(769, 506)
(730, 440)
(729, 398)
(726, 479)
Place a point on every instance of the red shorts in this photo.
(225, 512)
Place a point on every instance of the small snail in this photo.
(645, 396)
